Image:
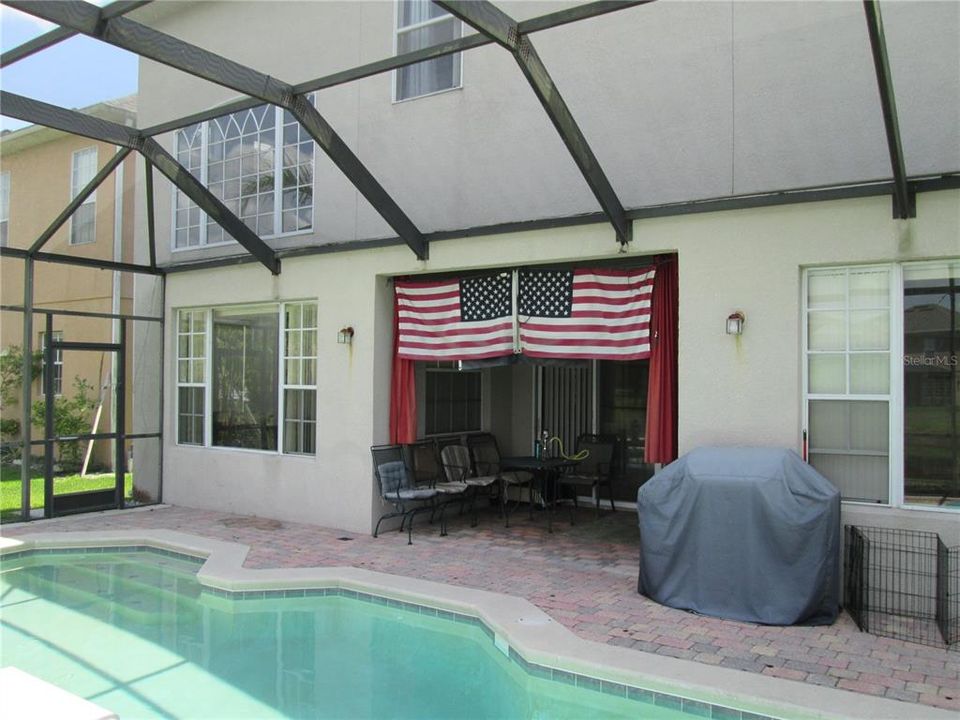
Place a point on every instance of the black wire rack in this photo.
(903, 584)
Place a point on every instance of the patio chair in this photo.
(594, 471)
(486, 459)
(459, 467)
(424, 459)
(399, 490)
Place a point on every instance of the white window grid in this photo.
(83, 167)
(299, 371)
(4, 207)
(847, 351)
(400, 29)
(893, 442)
(192, 326)
(57, 364)
(269, 208)
(305, 381)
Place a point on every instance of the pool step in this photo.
(83, 588)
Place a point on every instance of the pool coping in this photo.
(520, 629)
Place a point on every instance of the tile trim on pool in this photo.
(541, 646)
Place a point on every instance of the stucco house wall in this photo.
(681, 101)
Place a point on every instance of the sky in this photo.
(73, 74)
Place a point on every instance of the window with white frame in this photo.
(83, 221)
(240, 401)
(421, 24)
(191, 376)
(4, 207)
(300, 378)
(882, 390)
(57, 364)
(238, 157)
(453, 399)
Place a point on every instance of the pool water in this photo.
(137, 634)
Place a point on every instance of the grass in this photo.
(10, 488)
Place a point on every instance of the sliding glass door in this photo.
(931, 384)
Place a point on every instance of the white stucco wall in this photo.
(679, 101)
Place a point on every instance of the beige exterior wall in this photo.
(743, 390)
(680, 101)
(40, 162)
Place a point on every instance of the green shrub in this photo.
(71, 416)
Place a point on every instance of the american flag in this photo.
(458, 319)
(585, 313)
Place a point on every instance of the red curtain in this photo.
(403, 391)
(661, 441)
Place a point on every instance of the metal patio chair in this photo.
(424, 460)
(594, 471)
(397, 487)
(486, 460)
(458, 466)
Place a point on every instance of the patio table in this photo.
(545, 470)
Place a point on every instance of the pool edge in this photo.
(527, 630)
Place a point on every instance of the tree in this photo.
(11, 384)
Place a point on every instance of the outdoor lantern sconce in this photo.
(735, 323)
(345, 336)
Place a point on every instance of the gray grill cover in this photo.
(747, 534)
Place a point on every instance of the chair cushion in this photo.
(393, 475)
(482, 481)
(424, 494)
(517, 478)
(578, 479)
(451, 488)
(456, 462)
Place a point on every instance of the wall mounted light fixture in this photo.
(345, 336)
(735, 323)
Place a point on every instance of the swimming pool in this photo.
(134, 631)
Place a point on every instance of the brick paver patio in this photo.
(585, 577)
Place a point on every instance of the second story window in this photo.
(4, 207)
(259, 162)
(421, 24)
(83, 222)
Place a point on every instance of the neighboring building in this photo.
(41, 171)
(681, 102)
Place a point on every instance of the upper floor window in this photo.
(421, 24)
(83, 221)
(238, 157)
(4, 207)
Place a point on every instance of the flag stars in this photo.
(546, 293)
(485, 298)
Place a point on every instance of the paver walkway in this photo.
(584, 576)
